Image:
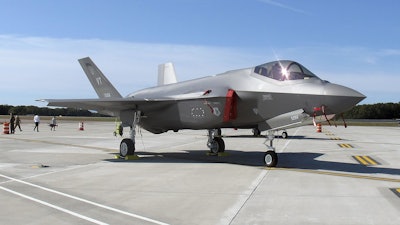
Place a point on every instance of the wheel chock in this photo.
(40, 166)
(132, 157)
(128, 157)
(223, 154)
(220, 154)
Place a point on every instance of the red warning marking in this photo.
(230, 110)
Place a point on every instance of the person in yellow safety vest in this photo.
(118, 129)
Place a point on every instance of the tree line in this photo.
(45, 111)
(373, 111)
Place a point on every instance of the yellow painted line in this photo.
(348, 175)
(361, 160)
(365, 160)
(370, 160)
(396, 191)
(345, 145)
(336, 138)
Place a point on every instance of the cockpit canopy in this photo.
(284, 70)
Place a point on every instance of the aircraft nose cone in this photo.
(339, 98)
(339, 90)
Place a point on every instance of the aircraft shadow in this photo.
(298, 160)
(297, 137)
(307, 160)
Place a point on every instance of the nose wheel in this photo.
(270, 158)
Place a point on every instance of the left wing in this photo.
(109, 106)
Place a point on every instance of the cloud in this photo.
(40, 67)
(283, 6)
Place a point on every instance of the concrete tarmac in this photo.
(340, 176)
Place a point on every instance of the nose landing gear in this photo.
(270, 157)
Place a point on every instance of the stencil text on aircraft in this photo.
(99, 82)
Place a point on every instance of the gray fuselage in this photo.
(203, 103)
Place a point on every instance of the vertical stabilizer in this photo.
(100, 83)
(166, 74)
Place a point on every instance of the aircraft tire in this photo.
(127, 147)
(217, 145)
(270, 159)
(284, 135)
(221, 144)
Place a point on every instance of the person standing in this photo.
(36, 119)
(12, 121)
(17, 123)
(53, 123)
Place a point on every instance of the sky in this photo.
(350, 42)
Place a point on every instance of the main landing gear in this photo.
(215, 143)
(127, 146)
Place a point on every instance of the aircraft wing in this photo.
(110, 106)
(113, 106)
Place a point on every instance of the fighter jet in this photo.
(268, 97)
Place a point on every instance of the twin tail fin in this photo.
(100, 83)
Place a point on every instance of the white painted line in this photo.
(86, 201)
(229, 215)
(288, 141)
(48, 173)
(54, 206)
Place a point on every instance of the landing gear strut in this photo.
(215, 143)
(256, 132)
(127, 146)
(270, 157)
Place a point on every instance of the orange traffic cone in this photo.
(319, 128)
(6, 128)
(81, 126)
